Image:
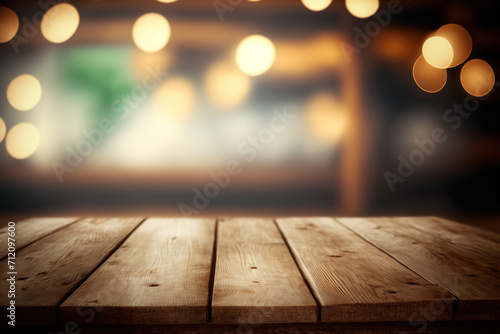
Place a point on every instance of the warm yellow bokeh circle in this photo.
(60, 23)
(438, 52)
(24, 92)
(316, 5)
(362, 8)
(460, 41)
(430, 79)
(326, 117)
(255, 55)
(477, 77)
(226, 86)
(151, 32)
(22, 140)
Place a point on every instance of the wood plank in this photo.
(355, 281)
(467, 266)
(30, 230)
(50, 268)
(256, 279)
(435, 327)
(452, 231)
(160, 275)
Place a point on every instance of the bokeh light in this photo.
(60, 23)
(437, 51)
(477, 77)
(3, 129)
(226, 86)
(9, 23)
(316, 5)
(24, 92)
(144, 62)
(176, 97)
(151, 32)
(430, 79)
(326, 117)
(460, 41)
(362, 8)
(308, 58)
(22, 140)
(255, 55)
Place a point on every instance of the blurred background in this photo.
(122, 107)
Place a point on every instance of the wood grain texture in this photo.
(50, 268)
(454, 232)
(459, 258)
(160, 275)
(256, 279)
(435, 327)
(32, 229)
(355, 281)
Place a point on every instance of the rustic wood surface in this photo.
(436, 327)
(467, 266)
(355, 281)
(159, 275)
(298, 275)
(30, 230)
(256, 279)
(51, 268)
(454, 228)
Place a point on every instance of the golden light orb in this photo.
(438, 52)
(22, 140)
(255, 55)
(60, 23)
(151, 32)
(362, 8)
(24, 92)
(316, 5)
(429, 78)
(477, 77)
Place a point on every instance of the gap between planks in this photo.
(212, 274)
(159, 276)
(311, 290)
(107, 256)
(50, 267)
(353, 280)
(256, 276)
(460, 258)
(24, 239)
(339, 220)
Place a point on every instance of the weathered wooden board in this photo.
(355, 281)
(460, 259)
(30, 230)
(49, 269)
(436, 327)
(256, 279)
(160, 275)
(453, 232)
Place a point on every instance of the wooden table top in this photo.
(237, 272)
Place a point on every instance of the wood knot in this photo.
(412, 283)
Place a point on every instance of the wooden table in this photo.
(262, 275)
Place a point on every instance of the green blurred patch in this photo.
(101, 74)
